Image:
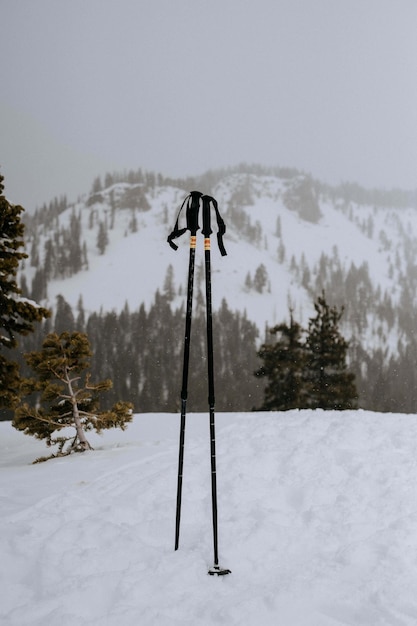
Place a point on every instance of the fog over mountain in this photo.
(180, 87)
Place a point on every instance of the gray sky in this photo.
(181, 86)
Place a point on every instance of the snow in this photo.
(134, 265)
(317, 521)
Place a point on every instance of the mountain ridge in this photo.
(288, 238)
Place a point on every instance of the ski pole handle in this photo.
(193, 208)
(206, 216)
(207, 202)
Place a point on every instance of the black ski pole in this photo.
(193, 206)
(207, 201)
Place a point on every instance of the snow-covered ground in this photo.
(317, 521)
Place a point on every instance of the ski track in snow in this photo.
(317, 521)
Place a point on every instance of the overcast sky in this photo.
(181, 86)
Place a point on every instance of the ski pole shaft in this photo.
(210, 366)
(192, 225)
(184, 391)
(207, 201)
(211, 398)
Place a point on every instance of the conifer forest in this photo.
(138, 342)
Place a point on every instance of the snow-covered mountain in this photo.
(340, 244)
(288, 237)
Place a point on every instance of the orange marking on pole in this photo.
(193, 241)
(207, 244)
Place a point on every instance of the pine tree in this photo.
(302, 196)
(39, 285)
(102, 238)
(64, 317)
(329, 385)
(311, 373)
(67, 397)
(17, 314)
(283, 365)
(74, 244)
(97, 186)
(169, 286)
(260, 279)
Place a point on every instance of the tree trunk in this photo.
(82, 440)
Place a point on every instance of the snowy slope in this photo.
(317, 521)
(135, 263)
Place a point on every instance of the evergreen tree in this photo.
(50, 259)
(281, 253)
(97, 186)
(74, 244)
(260, 279)
(108, 180)
(17, 314)
(134, 197)
(39, 285)
(80, 322)
(278, 228)
(169, 286)
(34, 254)
(283, 365)
(68, 398)
(248, 282)
(309, 374)
(64, 317)
(302, 196)
(235, 359)
(328, 383)
(102, 238)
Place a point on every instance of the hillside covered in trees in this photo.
(103, 265)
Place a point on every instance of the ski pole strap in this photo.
(177, 232)
(220, 222)
(192, 201)
(193, 205)
(222, 229)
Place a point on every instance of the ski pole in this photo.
(193, 206)
(206, 231)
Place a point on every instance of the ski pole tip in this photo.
(218, 571)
